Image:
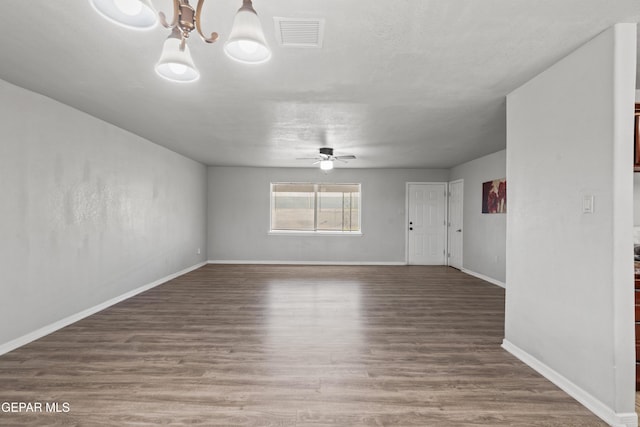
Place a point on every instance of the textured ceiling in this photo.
(406, 83)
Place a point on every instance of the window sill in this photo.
(316, 233)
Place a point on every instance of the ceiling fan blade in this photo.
(308, 158)
(316, 162)
(348, 157)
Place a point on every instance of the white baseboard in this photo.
(46, 330)
(235, 261)
(615, 419)
(483, 277)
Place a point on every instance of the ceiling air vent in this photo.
(299, 32)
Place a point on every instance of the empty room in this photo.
(319, 213)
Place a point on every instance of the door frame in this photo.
(455, 181)
(406, 218)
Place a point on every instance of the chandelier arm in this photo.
(176, 12)
(214, 36)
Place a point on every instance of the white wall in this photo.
(89, 212)
(239, 215)
(569, 300)
(484, 234)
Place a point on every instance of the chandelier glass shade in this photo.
(175, 64)
(246, 42)
(134, 14)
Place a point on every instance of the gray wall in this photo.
(569, 300)
(484, 234)
(239, 215)
(89, 212)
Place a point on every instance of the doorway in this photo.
(455, 225)
(426, 223)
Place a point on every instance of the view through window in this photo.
(315, 207)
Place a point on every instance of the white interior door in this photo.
(427, 230)
(456, 193)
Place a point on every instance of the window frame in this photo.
(315, 212)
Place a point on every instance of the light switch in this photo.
(587, 204)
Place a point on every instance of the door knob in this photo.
(410, 228)
(459, 230)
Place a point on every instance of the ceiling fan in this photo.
(326, 158)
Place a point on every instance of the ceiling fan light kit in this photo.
(326, 159)
(246, 42)
(326, 165)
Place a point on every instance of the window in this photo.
(315, 207)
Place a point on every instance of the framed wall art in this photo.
(494, 196)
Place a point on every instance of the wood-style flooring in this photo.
(290, 346)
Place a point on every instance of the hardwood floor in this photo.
(290, 346)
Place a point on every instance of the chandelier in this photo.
(246, 42)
